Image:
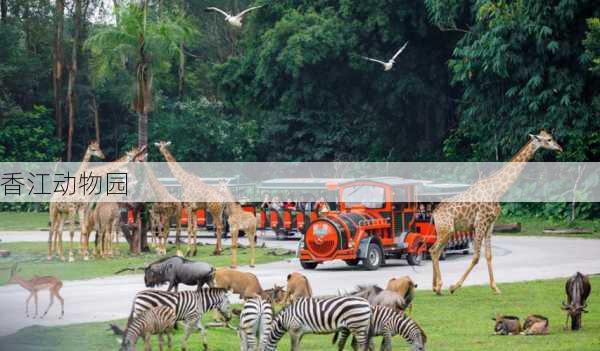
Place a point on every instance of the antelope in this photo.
(36, 284)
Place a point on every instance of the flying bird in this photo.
(236, 20)
(388, 65)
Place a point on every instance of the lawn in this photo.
(23, 221)
(32, 260)
(452, 322)
(533, 226)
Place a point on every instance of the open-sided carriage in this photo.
(290, 222)
(377, 219)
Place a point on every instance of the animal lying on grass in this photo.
(507, 325)
(535, 325)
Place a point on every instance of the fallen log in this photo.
(507, 228)
(568, 230)
(4, 253)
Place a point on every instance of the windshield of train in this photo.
(370, 196)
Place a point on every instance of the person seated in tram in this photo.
(422, 213)
(276, 203)
(321, 206)
(266, 202)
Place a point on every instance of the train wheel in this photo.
(414, 259)
(352, 263)
(308, 264)
(374, 257)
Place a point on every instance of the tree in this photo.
(139, 44)
(58, 64)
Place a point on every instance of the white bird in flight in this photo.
(236, 20)
(388, 65)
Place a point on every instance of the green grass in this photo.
(452, 322)
(31, 257)
(533, 226)
(23, 220)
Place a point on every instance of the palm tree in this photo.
(137, 43)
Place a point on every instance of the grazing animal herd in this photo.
(268, 314)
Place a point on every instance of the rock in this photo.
(507, 228)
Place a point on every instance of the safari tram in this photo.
(379, 219)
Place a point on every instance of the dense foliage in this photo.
(476, 77)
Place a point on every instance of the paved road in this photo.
(515, 259)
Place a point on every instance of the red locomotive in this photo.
(377, 219)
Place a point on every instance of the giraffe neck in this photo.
(182, 175)
(111, 166)
(161, 192)
(507, 175)
(84, 162)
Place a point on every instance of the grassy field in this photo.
(535, 227)
(23, 220)
(459, 322)
(32, 260)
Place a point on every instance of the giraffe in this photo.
(239, 219)
(79, 203)
(164, 207)
(59, 211)
(193, 188)
(477, 209)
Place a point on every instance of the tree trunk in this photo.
(181, 70)
(57, 69)
(3, 10)
(71, 98)
(94, 108)
(142, 129)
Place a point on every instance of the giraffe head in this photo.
(94, 150)
(162, 145)
(545, 140)
(136, 154)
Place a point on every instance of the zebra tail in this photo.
(116, 330)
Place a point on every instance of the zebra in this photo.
(320, 316)
(189, 307)
(255, 320)
(157, 320)
(387, 322)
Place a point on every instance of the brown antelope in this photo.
(36, 284)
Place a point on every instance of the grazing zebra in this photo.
(321, 316)
(255, 321)
(189, 307)
(158, 320)
(387, 322)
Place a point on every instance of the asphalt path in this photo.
(102, 299)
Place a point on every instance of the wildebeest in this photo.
(578, 289)
(175, 270)
(507, 325)
(378, 296)
(535, 325)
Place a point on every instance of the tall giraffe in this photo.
(165, 207)
(60, 211)
(193, 188)
(79, 203)
(477, 209)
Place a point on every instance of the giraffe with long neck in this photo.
(60, 210)
(478, 208)
(193, 188)
(164, 207)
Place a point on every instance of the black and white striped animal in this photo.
(578, 289)
(189, 307)
(255, 323)
(158, 320)
(387, 322)
(321, 316)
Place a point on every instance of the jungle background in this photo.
(476, 78)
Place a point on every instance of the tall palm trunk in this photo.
(3, 10)
(57, 69)
(71, 97)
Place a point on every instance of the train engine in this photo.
(375, 221)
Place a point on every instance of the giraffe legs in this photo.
(480, 231)
(252, 241)
(191, 230)
(444, 232)
(488, 257)
(178, 231)
(234, 236)
(71, 235)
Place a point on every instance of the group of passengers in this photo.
(275, 203)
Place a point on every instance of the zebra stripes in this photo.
(157, 320)
(255, 323)
(387, 322)
(321, 316)
(189, 306)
